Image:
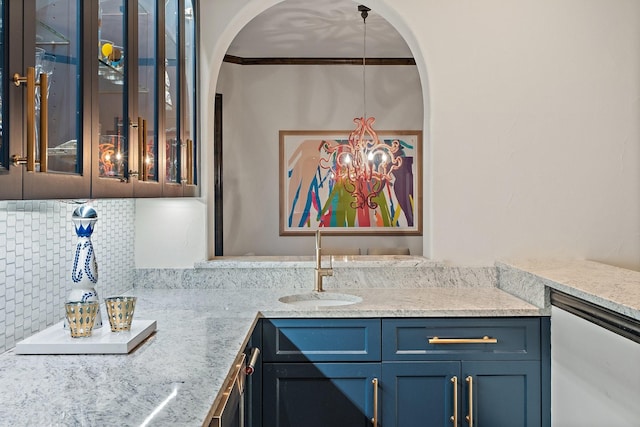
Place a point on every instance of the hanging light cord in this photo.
(364, 64)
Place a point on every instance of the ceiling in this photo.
(318, 29)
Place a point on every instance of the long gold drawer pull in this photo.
(454, 417)
(469, 417)
(374, 420)
(483, 340)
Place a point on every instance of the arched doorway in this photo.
(237, 225)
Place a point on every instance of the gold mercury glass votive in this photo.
(120, 311)
(80, 317)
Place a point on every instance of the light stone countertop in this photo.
(173, 378)
(614, 288)
(177, 372)
(302, 261)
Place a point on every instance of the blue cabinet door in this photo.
(318, 395)
(322, 340)
(502, 394)
(419, 393)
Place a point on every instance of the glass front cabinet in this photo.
(97, 99)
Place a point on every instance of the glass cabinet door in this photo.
(148, 92)
(101, 106)
(4, 151)
(57, 56)
(171, 97)
(180, 102)
(128, 158)
(114, 124)
(43, 90)
(10, 135)
(189, 99)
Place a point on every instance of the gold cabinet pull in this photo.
(30, 81)
(253, 359)
(44, 122)
(190, 165)
(454, 417)
(469, 417)
(483, 340)
(374, 420)
(142, 149)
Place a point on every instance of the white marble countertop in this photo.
(607, 286)
(173, 378)
(292, 261)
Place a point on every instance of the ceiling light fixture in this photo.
(364, 165)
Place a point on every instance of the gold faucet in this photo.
(319, 271)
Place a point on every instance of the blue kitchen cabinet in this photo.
(418, 393)
(319, 395)
(466, 371)
(489, 372)
(321, 340)
(444, 394)
(319, 372)
(501, 394)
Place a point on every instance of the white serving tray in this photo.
(57, 340)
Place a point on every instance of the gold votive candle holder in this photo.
(120, 310)
(80, 317)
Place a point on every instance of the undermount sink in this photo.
(320, 299)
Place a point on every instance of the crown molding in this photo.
(317, 61)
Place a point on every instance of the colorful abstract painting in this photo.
(325, 184)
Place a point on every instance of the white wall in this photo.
(169, 232)
(595, 380)
(259, 101)
(535, 142)
(531, 119)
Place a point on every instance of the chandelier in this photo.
(364, 165)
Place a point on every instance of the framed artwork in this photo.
(331, 181)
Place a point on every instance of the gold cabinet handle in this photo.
(142, 149)
(44, 122)
(454, 417)
(190, 165)
(253, 359)
(30, 81)
(374, 420)
(483, 340)
(469, 417)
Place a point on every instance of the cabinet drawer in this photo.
(461, 339)
(336, 340)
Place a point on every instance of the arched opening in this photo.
(259, 100)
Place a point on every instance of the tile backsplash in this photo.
(37, 244)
